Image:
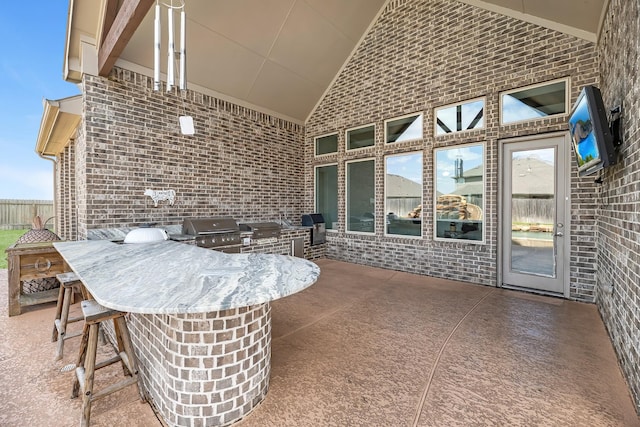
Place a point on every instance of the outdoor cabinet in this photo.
(32, 262)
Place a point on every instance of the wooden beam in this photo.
(110, 13)
(129, 17)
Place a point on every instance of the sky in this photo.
(31, 69)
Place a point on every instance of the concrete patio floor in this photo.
(371, 347)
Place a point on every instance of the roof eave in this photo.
(59, 124)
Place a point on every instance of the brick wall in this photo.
(618, 198)
(205, 368)
(239, 163)
(79, 166)
(425, 54)
(282, 245)
(66, 194)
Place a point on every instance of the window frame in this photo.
(315, 192)
(416, 114)
(483, 241)
(567, 96)
(346, 138)
(315, 145)
(346, 197)
(455, 104)
(408, 236)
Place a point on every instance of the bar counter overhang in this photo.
(200, 320)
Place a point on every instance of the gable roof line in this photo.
(344, 64)
(566, 29)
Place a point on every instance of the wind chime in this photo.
(186, 122)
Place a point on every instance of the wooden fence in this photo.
(401, 206)
(533, 211)
(18, 214)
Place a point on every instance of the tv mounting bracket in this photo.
(615, 116)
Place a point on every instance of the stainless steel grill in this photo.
(262, 230)
(221, 233)
(318, 227)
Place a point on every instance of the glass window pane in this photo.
(327, 144)
(460, 192)
(534, 102)
(361, 196)
(404, 129)
(361, 137)
(403, 194)
(327, 194)
(533, 192)
(460, 117)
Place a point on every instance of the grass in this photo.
(8, 238)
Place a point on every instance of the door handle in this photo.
(559, 234)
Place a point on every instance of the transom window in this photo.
(405, 128)
(460, 117)
(534, 102)
(326, 144)
(361, 137)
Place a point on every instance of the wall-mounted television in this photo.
(591, 137)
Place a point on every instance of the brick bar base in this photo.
(204, 369)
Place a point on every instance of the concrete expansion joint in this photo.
(423, 399)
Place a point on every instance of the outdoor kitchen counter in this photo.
(200, 320)
(169, 277)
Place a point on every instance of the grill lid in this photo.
(255, 226)
(198, 226)
(311, 219)
(262, 230)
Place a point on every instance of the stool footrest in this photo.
(71, 335)
(108, 362)
(75, 319)
(58, 323)
(107, 390)
(114, 387)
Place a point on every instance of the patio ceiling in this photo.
(276, 56)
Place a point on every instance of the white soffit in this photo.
(579, 18)
(59, 123)
(83, 24)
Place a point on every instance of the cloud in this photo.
(406, 165)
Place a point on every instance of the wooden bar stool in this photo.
(69, 283)
(94, 314)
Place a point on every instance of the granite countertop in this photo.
(171, 277)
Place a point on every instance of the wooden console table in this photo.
(28, 261)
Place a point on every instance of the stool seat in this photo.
(94, 314)
(69, 283)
